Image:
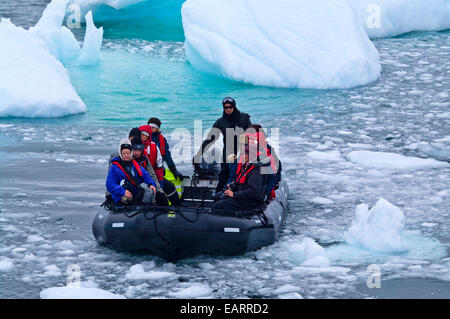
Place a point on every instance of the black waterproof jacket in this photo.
(234, 121)
(253, 189)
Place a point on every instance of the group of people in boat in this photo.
(249, 174)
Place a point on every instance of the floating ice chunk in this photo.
(32, 82)
(285, 289)
(52, 271)
(193, 291)
(286, 43)
(387, 18)
(307, 253)
(90, 52)
(379, 229)
(291, 295)
(34, 238)
(321, 201)
(393, 161)
(137, 272)
(325, 156)
(5, 264)
(78, 293)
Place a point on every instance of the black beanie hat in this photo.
(125, 146)
(135, 133)
(137, 143)
(154, 120)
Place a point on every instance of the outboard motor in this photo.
(203, 183)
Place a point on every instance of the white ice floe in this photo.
(393, 161)
(321, 201)
(34, 238)
(193, 291)
(380, 229)
(78, 293)
(387, 18)
(286, 43)
(52, 271)
(137, 272)
(306, 253)
(5, 264)
(334, 155)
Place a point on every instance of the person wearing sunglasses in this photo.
(232, 119)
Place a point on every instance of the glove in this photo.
(176, 173)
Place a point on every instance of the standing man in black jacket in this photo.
(230, 125)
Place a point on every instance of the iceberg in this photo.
(60, 40)
(388, 18)
(116, 10)
(379, 229)
(33, 83)
(33, 80)
(287, 43)
(89, 55)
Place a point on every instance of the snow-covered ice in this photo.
(379, 229)
(288, 43)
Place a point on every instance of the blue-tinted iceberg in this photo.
(387, 18)
(33, 83)
(89, 55)
(286, 43)
(33, 80)
(110, 10)
(60, 40)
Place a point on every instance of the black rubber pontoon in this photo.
(175, 233)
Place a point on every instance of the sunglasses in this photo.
(228, 107)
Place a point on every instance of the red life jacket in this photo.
(151, 151)
(162, 144)
(262, 144)
(241, 174)
(136, 166)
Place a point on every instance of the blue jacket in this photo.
(115, 176)
(167, 157)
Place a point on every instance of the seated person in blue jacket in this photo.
(126, 178)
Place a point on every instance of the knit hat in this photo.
(134, 133)
(145, 130)
(137, 144)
